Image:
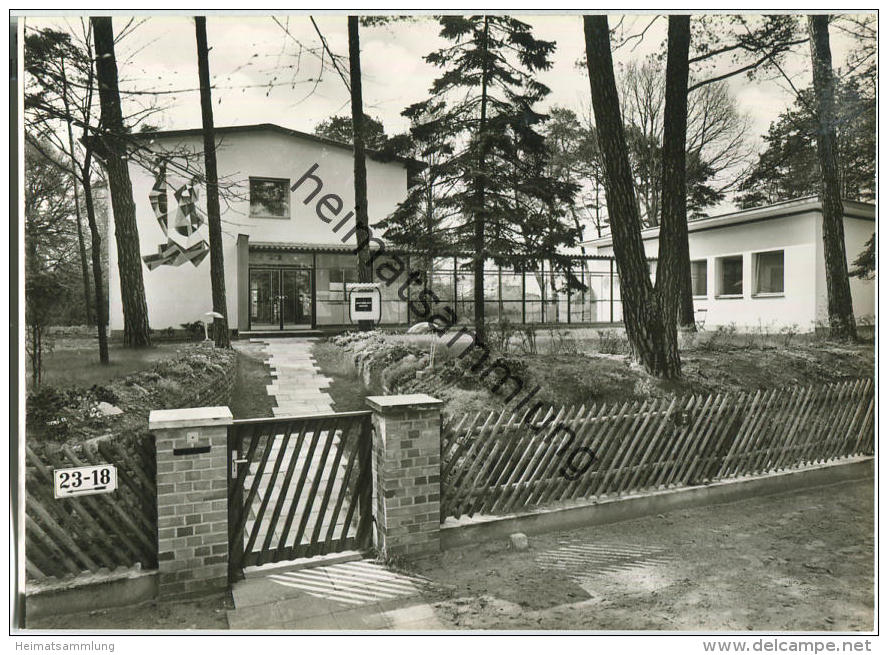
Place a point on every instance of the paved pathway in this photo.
(297, 390)
(355, 595)
(298, 384)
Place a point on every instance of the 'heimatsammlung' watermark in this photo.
(81, 646)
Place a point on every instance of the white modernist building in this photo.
(289, 241)
(287, 226)
(765, 266)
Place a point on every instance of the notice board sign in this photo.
(364, 302)
(84, 480)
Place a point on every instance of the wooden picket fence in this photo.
(504, 462)
(67, 537)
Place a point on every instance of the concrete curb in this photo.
(636, 506)
(95, 594)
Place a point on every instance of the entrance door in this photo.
(295, 297)
(280, 298)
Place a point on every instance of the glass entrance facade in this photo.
(280, 298)
(298, 287)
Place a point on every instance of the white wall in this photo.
(863, 292)
(792, 234)
(178, 294)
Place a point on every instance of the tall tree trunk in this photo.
(478, 209)
(651, 331)
(362, 221)
(687, 320)
(214, 215)
(95, 239)
(838, 288)
(84, 268)
(114, 155)
(676, 286)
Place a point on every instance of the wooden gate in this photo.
(298, 487)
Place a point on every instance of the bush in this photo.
(720, 339)
(103, 394)
(500, 334)
(195, 330)
(44, 410)
(561, 342)
(788, 333)
(528, 336)
(612, 342)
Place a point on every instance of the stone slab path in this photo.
(298, 386)
(297, 389)
(356, 595)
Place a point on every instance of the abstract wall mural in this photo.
(184, 242)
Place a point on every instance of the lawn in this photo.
(250, 397)
(75, 362)
(347, 389)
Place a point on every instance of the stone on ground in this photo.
(518, 541)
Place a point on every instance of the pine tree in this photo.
(221, 333)
(838, 289)
(480, 127)
(648, 311)
(114, 155)
(60, 86)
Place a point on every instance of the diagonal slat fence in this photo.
(500, 463)
(67, 537)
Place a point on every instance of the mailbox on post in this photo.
(364, 302)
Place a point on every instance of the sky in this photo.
(249, 53)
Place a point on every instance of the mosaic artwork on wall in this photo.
(184, 243)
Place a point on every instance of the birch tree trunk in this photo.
(129, 262)
(838, 288)
(221, 334)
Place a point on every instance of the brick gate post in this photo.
(192, 500)
(407, 459)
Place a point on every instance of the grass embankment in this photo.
(583, 371)
(88, 404)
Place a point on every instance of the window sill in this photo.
(700, 297)
(769, 295)
(276, 218)
(730, 296)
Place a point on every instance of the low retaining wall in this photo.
(87, 593)
(217, 392)
(457, 533)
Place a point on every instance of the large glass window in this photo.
(769, 272)
(269, 197)
(698, 277)
(730, 271)
(339, 278)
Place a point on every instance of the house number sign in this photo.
(85, 480)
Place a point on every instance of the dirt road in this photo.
(794, 561)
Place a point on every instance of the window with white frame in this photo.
(340, 277)
(269, 197)
(730, 275)
(698, 277)
(768, 267)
